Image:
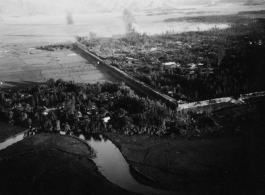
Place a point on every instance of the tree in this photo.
(29, 122)
(70, 107)
(87, 123)
(50, 83)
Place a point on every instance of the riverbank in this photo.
(229, 161)
(52, 164)
(7, 131)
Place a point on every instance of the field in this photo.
(22, 64)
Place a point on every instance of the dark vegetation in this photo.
(215, 19)
(181, 12)
(66, 106)
(56, 46)
(252, 12)
(253, 3)
(205, 64)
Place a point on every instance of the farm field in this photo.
(22, 64)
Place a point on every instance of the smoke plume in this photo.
(92, 35)
(130, 22)
(69, 18)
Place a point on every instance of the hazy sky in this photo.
(35, 7)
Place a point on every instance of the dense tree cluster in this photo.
(56, 46)
(215, 19)
(66, 106)
(208, 64)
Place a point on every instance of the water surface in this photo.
(11, 141)
(109, 160)
(114, 167)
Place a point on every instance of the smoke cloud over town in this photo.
(130, 22)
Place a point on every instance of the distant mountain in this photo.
(34, 7)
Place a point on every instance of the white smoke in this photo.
(136, 28)
(69, 17)
(130, 22)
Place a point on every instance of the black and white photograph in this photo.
(132, 97)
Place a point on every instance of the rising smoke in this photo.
(69, 18)
(92, 35)
(130, 22)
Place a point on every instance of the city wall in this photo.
(130, 81)
(148, 91)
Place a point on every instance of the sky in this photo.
(35, 7)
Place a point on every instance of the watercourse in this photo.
(109, 161)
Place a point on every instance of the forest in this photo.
(192, 66)
(92, 108)
(56, 47)
(215, 19)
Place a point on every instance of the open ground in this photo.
(22, 64)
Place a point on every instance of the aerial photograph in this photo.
(132, 97)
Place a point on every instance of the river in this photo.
(109, 160)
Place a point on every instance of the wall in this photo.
(148, 91)
(130, 81)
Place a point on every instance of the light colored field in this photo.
(21, 65)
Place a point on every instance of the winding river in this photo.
(109, 160)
